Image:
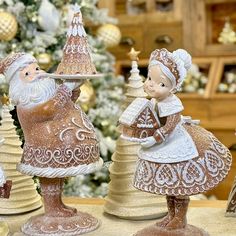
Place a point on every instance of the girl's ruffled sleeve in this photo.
(162, 133)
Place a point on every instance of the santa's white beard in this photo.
(30, 94)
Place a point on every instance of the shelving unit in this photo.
(203, 22)
(223, 63)
(149, 29)
(120, 8)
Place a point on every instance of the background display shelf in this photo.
(203, 22)
(149, 29)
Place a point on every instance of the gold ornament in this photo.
(5, 99)
(8, 26)
(44, 60)
(109, 34)
(87, 96)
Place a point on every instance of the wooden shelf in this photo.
(203, 22)
(223, 61)
(147, 30)
(119, 8)
(212, 64)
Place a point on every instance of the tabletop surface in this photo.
(101, 201)
(206, 214)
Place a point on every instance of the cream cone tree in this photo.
(123, 200)
(23, 197)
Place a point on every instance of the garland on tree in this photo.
(42, 26)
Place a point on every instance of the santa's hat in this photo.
(76, 53)
(12, 63)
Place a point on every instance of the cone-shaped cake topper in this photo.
(76, 62)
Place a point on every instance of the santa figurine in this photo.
(181, 158)
(60, 142)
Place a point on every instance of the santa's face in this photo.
(30, 86)
(30, 72)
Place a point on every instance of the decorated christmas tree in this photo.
(24, 196)
(123, 199)
(76, 53)
(42, 27)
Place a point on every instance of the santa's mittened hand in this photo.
(75, 94)
(70, 85)
(73, 85)
(148, 142)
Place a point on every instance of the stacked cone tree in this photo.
(135, 85)
(24, 196)
(123, 199)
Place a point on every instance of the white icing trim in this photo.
(2, 177)
(162, 136)
(76, 30)
(188, 120)
(169, 106)
(74, 49)
(132, 139)
(60, 172)
(132, 112)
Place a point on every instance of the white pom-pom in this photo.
(184, 56)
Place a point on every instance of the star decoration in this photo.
(133, 54)
(5, 100)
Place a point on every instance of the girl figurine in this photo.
(181, 158)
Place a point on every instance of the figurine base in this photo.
(54, 226)
(139, 213)
(155, 230)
